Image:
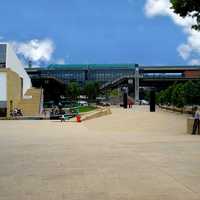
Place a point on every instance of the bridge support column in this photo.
(137, 84)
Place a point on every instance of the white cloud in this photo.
(156, 7)
(186, 50)
(163, 8)
(35, 50)
(194, 62)
(60, 61)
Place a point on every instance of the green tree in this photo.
(168, 95)
(112, 93)
(191, 93)
(73, 90)
(197, 100)
(181, 94)
(160, 97)
(178, 95)
(188, 8)
(91, 89)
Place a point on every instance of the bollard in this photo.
(152, 101)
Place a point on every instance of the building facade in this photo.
(82, 73)
(14, 80)
(109, 72)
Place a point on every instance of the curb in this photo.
(97, 114)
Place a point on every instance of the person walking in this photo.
(196, 121)
(130, 102)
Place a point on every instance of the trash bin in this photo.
(78, 118)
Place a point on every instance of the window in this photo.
(2, 55)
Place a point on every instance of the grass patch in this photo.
(86, 109)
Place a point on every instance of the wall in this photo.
(3, 92)
(15, 65)
(13, 90)
(192, 74)
(3, 86)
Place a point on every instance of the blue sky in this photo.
(93, 31)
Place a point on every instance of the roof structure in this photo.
(112, 66)
(91, 66)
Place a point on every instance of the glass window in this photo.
(2, 55)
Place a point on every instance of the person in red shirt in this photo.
(130, 102)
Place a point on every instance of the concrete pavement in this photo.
(131, 154)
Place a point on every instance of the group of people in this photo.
(196, 127)
(56, 111)
(16, 113)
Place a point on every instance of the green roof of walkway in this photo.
(110, 66)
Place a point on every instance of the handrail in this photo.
(142, 76)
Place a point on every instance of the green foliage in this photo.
(91, 89)
(188, 7)
(112, 93)
(180, 94)
(191, 93)
(147, 95)
(168, 94)
(73, 90)
(177, 97)
(160, 97)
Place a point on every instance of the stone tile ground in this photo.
(131, 154)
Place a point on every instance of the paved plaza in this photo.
(129, 155)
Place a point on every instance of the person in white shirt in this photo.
(196, 121)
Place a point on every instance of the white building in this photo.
(14, 81)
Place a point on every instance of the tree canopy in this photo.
(180, 94)
(91, 89)
(73, 90)
(188, 8)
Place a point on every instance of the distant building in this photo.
(102, 73)
(55, 77)
(15, 83)
(106, 73)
